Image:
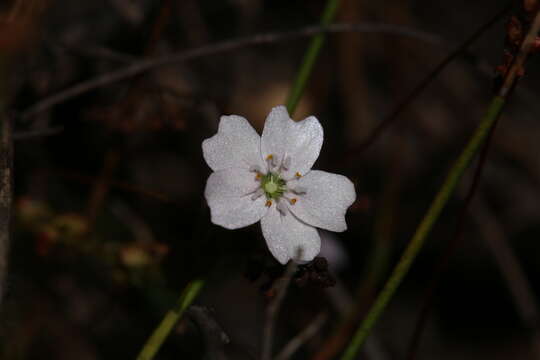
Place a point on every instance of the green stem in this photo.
(171, 318)
(424, 228)
(310, 57)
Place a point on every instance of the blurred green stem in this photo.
(424, 228)
(171, 318)
(465, 158)
(310, 57)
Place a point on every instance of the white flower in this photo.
(269, 178)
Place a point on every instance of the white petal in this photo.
(236, 144)
(326, 200)
(286, 234)
(283, 137)
(229, 195)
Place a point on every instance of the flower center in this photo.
(273, 185)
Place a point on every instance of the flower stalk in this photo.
(310, 58)
(159, 335)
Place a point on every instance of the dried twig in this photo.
(304, 336)
(225, 46)
(214, 337)
(421, 86)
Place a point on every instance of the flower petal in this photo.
(229, 194)
(300, 141)
(236, 144)
(326, 200)
(284, 234)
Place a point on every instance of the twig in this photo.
(273, 309)
(212, 49)
(214, 337)
(442, 197)
(304, 336)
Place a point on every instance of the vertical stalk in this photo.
(310, 58)
(154, 342)
(425, 227)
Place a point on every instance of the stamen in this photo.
(268, 203)
(299, 190)
(258, 176)
(271, 160)
(293, 201)
(298, 175)
(257, 194)
(282, 208)
(286, 163)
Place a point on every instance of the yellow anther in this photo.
(270, 157)
(258, 176)
(293, 201)
(268, 203)
(298, 175)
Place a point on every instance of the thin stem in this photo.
(451, 247)
(310, 57)
(423, 84)
(159, 335)
(425, 227)
(444, 193)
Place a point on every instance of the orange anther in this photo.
(293, 201)
(270, 157)
(268, 203)
(298, 175)
(258, 176)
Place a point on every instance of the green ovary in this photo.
(273, 186)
